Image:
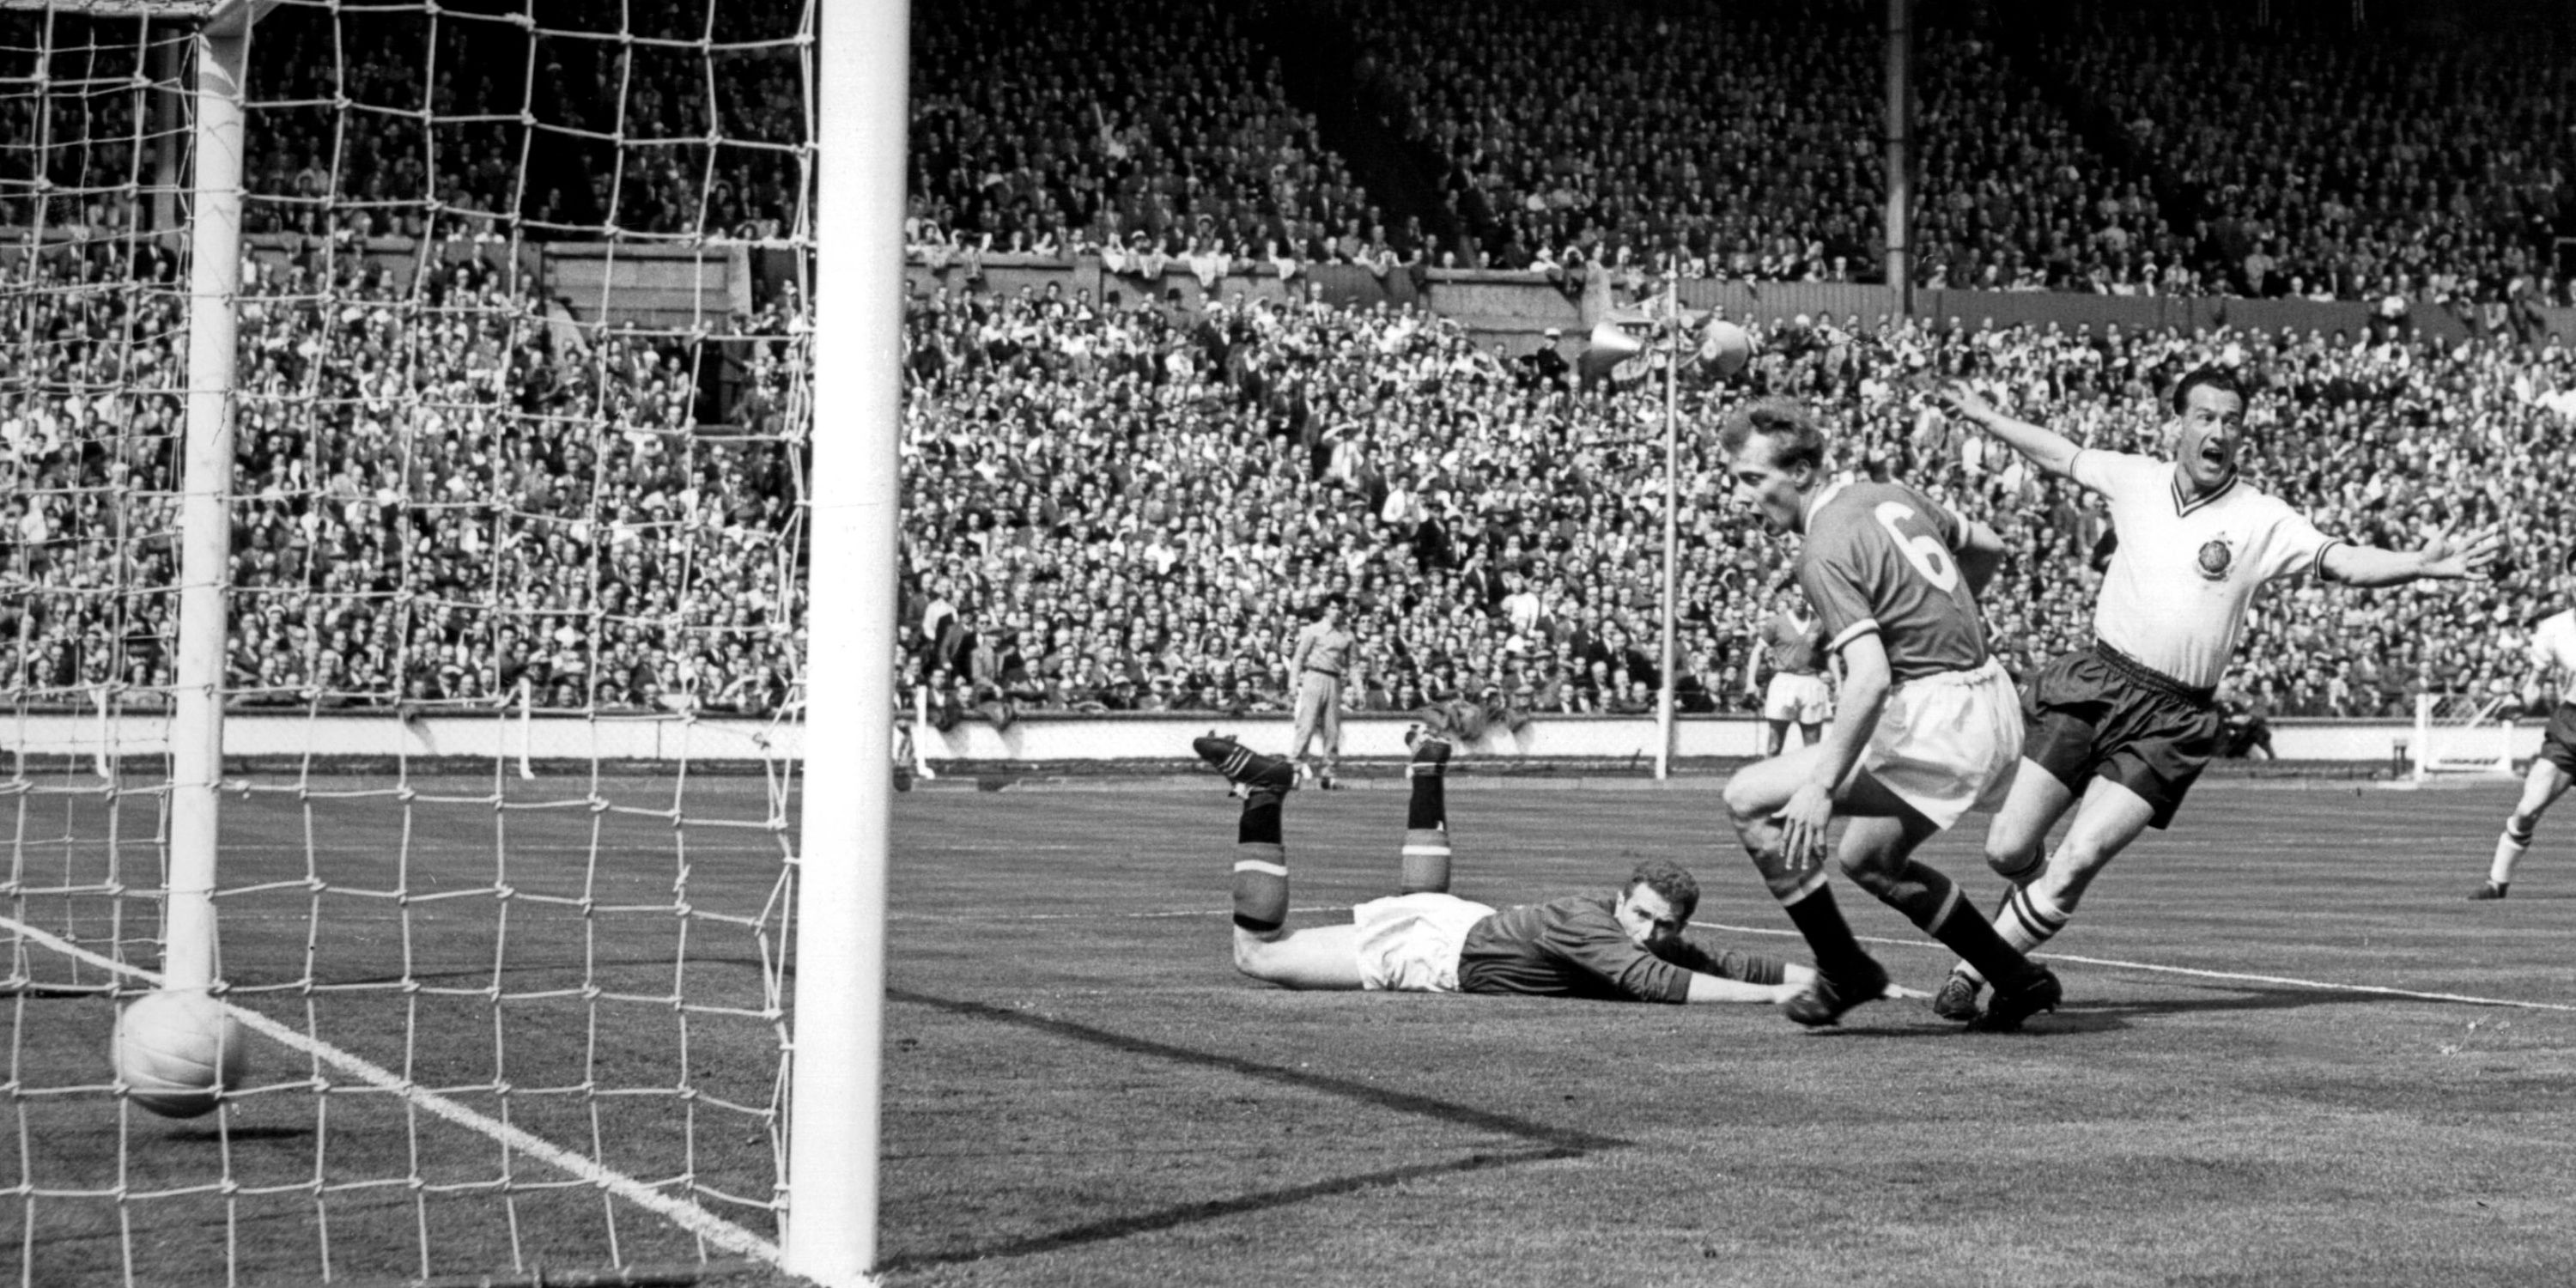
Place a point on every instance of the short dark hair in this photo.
(2218, 378)
(1669, 879)
(1801, 440)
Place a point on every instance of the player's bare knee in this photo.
(1744, 807)
(2016, 862)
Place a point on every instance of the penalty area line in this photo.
(688, 1216)
(2193, 972)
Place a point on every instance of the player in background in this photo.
(1628, 946)
(1925, 731)
(2553, 648)
(1318, 665)
(2126, 726)
(1795, 648)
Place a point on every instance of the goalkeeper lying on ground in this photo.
(1624, 947)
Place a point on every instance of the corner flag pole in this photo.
(860, 88)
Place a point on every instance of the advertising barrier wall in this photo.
(1626, 742)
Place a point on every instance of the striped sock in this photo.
(1261, 886)
(2028, 920)
(2020, 877)
(2510, 845)
(1426, 860)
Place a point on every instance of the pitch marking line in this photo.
(2237, 977)
(687, 1216)
(2152, 968)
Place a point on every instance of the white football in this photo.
(177, 1052)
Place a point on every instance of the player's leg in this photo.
(2540, 788)
(1426, 815)
(2111, 816)
(1846, 975)
(1330, 721)
(1810, 734)
(1264, 947)
(1776, 736)
(2015, 842)
(1302, 731)
(1878, 853)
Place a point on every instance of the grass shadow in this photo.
(1548, 1142)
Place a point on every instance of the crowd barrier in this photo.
(1038, 739)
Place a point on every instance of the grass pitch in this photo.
(2253, 1081)
(1080, 1089)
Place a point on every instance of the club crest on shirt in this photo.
(2215, 558)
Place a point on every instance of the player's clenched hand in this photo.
(1802, 827)
(2470, 556)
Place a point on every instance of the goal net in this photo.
(2462, 733)
(512, 558)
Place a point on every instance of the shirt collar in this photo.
(1816, 501)
(2184, 504)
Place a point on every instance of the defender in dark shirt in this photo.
(1627, 945)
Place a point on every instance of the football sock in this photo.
(1829, 937)
(1932, 902)
(1426, 838)
(2510, 845)
(1260, 867)
(1430, 805)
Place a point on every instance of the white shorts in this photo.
(1799, 699)
(1409, 942)
(1947, 744)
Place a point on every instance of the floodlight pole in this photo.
(1664, 698)
(860, 86)
(205, 523)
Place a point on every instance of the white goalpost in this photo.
(2462, 733)
(414, 366)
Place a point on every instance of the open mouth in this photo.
(2215, 455)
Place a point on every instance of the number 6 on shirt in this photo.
(1922, 549)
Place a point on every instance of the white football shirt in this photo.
(2553, 645)
(2186, 572)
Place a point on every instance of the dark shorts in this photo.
(2096, 714)
(2558, 745)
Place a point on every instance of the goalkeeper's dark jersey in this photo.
(1575, 947)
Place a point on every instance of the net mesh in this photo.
(2459, 733)
(517, 551)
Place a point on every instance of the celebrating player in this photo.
(1925, 730)
(1319, 663)
(1624, 947)
(1798, 695)
(2553, 646)
(2128, 724)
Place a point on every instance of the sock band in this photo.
(1264, 867)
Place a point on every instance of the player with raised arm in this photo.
(2128, 724)
(1798, 694)
(2553, 648)
(1925, 730)
(1624, 946)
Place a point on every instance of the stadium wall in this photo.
(1515, 309)
(1043, 738)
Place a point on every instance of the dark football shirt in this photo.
(1575, 947)
(1882, 557)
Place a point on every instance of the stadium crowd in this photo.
(442, 496)
(1113, 506)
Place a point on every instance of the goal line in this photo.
(696, 1220)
